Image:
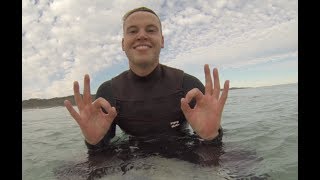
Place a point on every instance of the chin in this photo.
(144, 62)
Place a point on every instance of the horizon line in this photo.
(221, 90)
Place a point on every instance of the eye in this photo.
(151, 29)
(132, 31)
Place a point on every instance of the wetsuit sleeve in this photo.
(190, 82)
(104, 91)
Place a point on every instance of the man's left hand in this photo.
(205, 117)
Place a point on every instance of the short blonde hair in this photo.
(145, 9)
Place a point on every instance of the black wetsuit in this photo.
(149, 112)
(149, 106)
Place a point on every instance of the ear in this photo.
(122, 44)
(162, 42)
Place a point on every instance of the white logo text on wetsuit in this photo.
(174, 124)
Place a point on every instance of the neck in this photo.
(143, 70)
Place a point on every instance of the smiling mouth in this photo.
(142, 47)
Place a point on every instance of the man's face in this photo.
(142, 39)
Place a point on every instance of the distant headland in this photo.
(36, 103)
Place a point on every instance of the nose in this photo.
(142, 35)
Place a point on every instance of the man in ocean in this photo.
(150, 99)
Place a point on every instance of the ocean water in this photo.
(260, 142)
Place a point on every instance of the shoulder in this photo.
(187, 78)
(120, 76)
(172, 72)
(104, 87)
(171, 69)
(190, 82)
(173, 76)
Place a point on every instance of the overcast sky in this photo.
(252, 42)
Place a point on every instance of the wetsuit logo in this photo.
(174, 124)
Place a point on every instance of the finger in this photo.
(112, 113)
(216, 90)
(77, 96)
(102, 103)
(87, 99)
(208, 86)
(194, 93)
(224, 96)
(186, 109)
(71, 110)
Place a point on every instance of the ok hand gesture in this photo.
(93, 122)
(205, 117)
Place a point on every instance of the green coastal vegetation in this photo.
(36, 103)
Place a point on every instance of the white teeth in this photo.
(142, 47)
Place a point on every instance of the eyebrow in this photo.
(148, 26)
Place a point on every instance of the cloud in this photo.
(254, 46)
(64, 39)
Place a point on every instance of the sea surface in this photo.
(260, 141)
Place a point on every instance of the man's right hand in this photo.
(93, 122)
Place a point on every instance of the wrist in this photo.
(210, 136)
(217, 136)
(213, 136)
